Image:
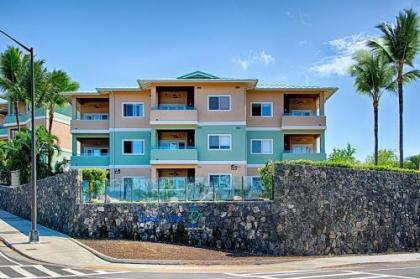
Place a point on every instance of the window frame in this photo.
(262, 103)
(230, 102)
(133, 154)
(254, 153)
(219, 174)
(132, 103)
(219, 149)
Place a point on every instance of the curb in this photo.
(9, 245)
(126, 261)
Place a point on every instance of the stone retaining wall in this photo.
(315, 211)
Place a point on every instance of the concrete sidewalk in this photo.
(58, 248)
(54, 247)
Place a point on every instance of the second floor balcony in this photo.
(303, 111)
(90, 114)
(174, 105)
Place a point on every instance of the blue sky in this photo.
(113, 43)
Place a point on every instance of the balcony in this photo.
(90, 124)
(186, 155)
(290, 156)
(89, 161)
(90, 114)
(303, 121)
(173, 114)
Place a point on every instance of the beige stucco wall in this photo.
(89, 125)
(319, 121)
(126, 172)
(252, 171)
(274, 97)
(62, 131)
(238, 98)
(118, 98)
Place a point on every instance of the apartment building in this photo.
(196, 127)
(60, 128)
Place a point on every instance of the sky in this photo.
(114, 43)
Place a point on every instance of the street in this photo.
(13, 265)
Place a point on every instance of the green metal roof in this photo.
(198, 75)
(276, 85)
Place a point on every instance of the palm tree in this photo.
(18, 152)
(400, 44)
(13, 68)
(56, 82)
(373, 75)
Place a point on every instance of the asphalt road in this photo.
(13, 265)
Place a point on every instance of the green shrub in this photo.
(266, 174)
(343, 155)
(349, 166)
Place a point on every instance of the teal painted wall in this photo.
(238, 143)
(278, 145)
(116, 156)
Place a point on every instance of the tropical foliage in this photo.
(343, 155)
(16, 154)
(399, 45)
(373, 75)
(96, 179)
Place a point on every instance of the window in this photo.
(223, 180)
(221, 103)
(256, 183)
(220, 142)
(133, 147)
(262, 109)
(261, 146)
(133, 109)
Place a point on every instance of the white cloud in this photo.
(241, 62)
(261, 57)
(265, 58)
(340, 61)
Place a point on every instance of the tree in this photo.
(373, 75)
(400, 45)
(415, 160)
(16, 78)
(13, 65)
(343, 155)
(56, 82)
(18, 152)
(386, 157)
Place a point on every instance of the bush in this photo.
(349, 166)
(343, 155)
(266, 174)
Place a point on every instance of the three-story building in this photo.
(197, 127)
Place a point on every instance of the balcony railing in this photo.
(173, 107)
(300, 113)
(174, 189)
(93, 117)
